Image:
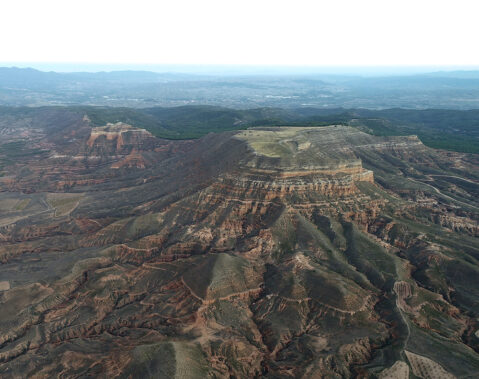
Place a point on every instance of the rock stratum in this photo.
(271, 252)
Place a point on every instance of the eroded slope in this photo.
(279, 252)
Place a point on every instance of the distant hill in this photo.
(460, 74)
(446, 129)
(31, 78)
(454, 130)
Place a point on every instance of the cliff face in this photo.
(119, 139)
(297, 161)
(79, 155)
(278, 252)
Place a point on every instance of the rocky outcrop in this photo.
(119, 139)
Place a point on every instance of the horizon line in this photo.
(238, 69)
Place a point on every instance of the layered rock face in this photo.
(295, 161)
(273, 252)
(120, 139)
(68, 152)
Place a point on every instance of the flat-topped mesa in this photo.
(294, 160)
(120, 138)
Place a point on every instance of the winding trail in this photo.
(401, 312)
(456, 177)
(444, 195)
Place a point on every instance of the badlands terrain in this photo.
(278, 252)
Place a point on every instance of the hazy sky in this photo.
(297, 32)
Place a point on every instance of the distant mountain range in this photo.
(31, 78)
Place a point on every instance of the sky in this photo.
(226, 32)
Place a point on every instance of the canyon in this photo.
(266, 252)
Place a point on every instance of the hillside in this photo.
(273, 251)
(445, 129)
